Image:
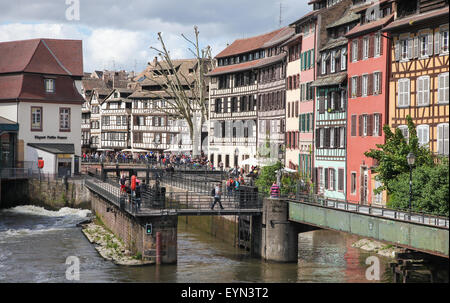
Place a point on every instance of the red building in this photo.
(367, 108)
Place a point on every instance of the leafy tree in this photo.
(266, 177)
(391, 156)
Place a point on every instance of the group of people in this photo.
(133, 190)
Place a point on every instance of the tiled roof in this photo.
(407, 21)
(246, 65)
(282, 36)
(350, 16)
(371, 26)
(47, 56)
(91, 83)
(10, 86)
(306, 17)
(240, 46)
(332, 43)
(333, 79)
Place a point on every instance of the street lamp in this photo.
(411, 158)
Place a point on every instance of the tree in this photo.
(185, 98)
(391, 156)
(268, 176)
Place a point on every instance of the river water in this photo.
(34, 245)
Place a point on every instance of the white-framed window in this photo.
(343, 97)
(49, 85)
(332, 137)
(423, 91)
(442, 139)
(423, 134)
(332, 179)
(405, 131)
(365, 84)
(376, 82)
(406, 46)
(355, 50)
(423, 45)
(333, 99)
(376, 125)
(443, 90)
(377, 45)
(322, 137)
(377, 198)
(365, 125)
(354, 86)
(323, 64)
(444, 41)
(365, 48)
(36, 118)
(403, 92)
(343, 58)
(333, 61)
(64, 119)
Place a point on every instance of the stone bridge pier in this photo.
(274, 237)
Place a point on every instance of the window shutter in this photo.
(370, 85)
(437, 42)
(327, 137)
(317, 137)
(353, 121)
(321, 105)
(370, 125)
(350, 87)
(410, 48)
(426, 93)
(419, 91)
(360, 48)
(416, 46)
(430, 44)
(312, 59)
(326, 178)
(380, 82)
(361, 125)
(397, 50)
(440, 138)
(336, 137)
(359, 87)
(446, 139)
(350, 49)
(381, 44)
(380, 127)
(371, 45)
(340, 179)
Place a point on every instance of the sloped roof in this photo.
(54, 148)
(333, 79)
(240, 46)
(332, 43)
(47, 56)
(371, 26)
(349, 17)
(409, 20)
(91, 83)
(284, 34)
(246, 65)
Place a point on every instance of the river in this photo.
(34, 245)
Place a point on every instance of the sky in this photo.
(117, 34)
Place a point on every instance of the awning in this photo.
(8, 125)
(330, 80)
(54, 148)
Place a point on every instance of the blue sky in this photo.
(118, 33)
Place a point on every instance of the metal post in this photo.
(410, 190)
(158, 247)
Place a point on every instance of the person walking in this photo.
(275, 190)
(217, 195)
(230, 186)
(137, 196)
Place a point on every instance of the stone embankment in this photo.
(110, 247)
(382, 249)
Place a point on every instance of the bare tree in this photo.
(185, 97)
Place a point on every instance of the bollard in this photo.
(158, 247)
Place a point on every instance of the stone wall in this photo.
(131, 230)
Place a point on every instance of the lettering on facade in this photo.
(50, 137)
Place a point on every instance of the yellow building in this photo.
(419, 76)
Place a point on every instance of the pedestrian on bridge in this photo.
(275, 190)
(217, 195)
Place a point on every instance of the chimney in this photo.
(155, 60)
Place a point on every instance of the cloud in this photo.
(119, 33)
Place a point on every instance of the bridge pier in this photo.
(275, 237)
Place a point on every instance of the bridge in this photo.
(275, 222)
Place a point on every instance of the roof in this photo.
(349, 17)
(332, 43)
(45, 56)
(246, 65)
(284, 34)
(416, 18)
(292, 39)
(368, 27)
(55, 148)
(333, 79)
(306, 17)
(8, 125)
(91, 83)
(241, 46)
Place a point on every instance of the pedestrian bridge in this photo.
(188, 194)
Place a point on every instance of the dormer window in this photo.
(49, 85)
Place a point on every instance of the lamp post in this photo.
(411, 158)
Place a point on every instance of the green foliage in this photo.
(289, 184)
(266, 177)
(430, 190)
(430, 180)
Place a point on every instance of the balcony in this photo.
(114, 144)
(115, 127)
(150, 146)
(248, 89)
(116, 112)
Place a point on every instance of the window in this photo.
(332, 138)
(365, 48)
(365, 85)
(342, 137)
(340, 179)
(64, 119)
(443, 88)
(333, 61)
(403, 92)
(354, 86)
(343, 99)
(405, 131)
(49, 85)
(423, 91)
(323, 64)
(36, 118)
(365, 125)
(377, 46)
(377, 198)
(332, 179)
(343, 58)
(353, 183)
(355, 50)
(423, 134)
(376, 82)
(321, 136)
(376, 125)
(444, 41)
(442, 139)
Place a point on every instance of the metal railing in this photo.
(395, 214)
(16, 173)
